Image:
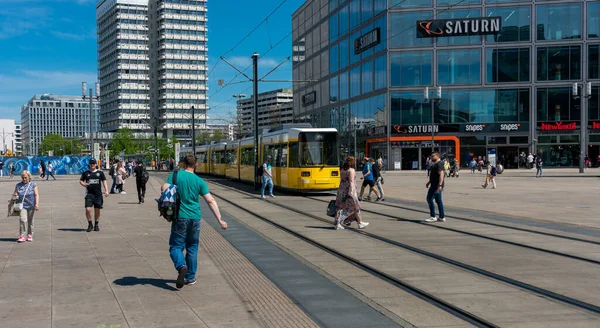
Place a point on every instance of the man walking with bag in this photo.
(185, 230)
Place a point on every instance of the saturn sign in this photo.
(459, 27)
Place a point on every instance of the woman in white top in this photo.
(27, 192)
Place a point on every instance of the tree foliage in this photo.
(123, 142)
(61, 146)
(207, 137)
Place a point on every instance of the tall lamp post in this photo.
(91, 98)
(438, 97)
(586, 92)
(4, 135)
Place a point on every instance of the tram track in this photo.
(436, 301)
(485, 273)
(459, 218)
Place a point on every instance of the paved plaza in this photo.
(561, 196)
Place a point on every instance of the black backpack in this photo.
(169, 210)
(111, 172)
(146, 177)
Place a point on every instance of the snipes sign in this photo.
(458, 27)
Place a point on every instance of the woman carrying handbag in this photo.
(27, 204)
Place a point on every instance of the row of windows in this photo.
(370, 76)
(182, 81)
(183, 2)
(187, 62)
(181, 22)
(133, 21)
(188, 42)
(182, 101)
(184, 32)
(342, 54)
(182, 12)
(182, 52)
(502, 65)
(181, 71)
(182, 91)
(352, 15)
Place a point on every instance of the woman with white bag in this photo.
(27, 203)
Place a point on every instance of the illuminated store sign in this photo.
(459, 27)
(558, 126)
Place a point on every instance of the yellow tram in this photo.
(302, 159)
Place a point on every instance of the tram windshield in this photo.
(318, 148)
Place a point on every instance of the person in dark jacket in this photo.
(140, 184)
(377, 178)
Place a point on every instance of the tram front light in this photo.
(334, 173)
(305, 174)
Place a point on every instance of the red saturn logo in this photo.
(427, 27)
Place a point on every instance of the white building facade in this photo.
(18, 148)
(122, 27)
(45, 114)
(178, 65)
(274, 108)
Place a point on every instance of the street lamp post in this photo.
(586, 92)
(438, 97)
(4, 135)
(91, 98)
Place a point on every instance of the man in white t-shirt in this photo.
(267, 178)
(530, 161)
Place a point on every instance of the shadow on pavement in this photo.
(71, 229)
(322, 228)
(12, 240)
(134, 281)
(128, 203)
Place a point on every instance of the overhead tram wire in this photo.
(327, 41)
(247, 35)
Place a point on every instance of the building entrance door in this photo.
(509, 154)
(410, 156)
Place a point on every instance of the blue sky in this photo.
(49, 46)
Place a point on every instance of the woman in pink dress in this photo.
(346, 202)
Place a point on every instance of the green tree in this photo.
(218, 135)
(203, 138)
(123, 141)
(51, 142)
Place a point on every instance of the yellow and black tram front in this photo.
(314, 161)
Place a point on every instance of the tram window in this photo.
(283, 159)
(318, 149)
(293, 149)
(247, 156)
(232, 157)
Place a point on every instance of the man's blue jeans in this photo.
(185, 233)
(434, 194)
(266, 180)
(114, 184)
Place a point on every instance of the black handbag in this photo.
(331, 208)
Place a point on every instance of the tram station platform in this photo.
(287, 267)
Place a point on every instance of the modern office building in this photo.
(122, 27)
(275, 108)
(228, 130)
(506, 70)
(178, 65)
(45, 114)
(18, 148)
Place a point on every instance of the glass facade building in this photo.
(509, 91)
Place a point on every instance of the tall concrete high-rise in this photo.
(178, 65)
(122, 27)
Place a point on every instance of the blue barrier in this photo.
(69, 164)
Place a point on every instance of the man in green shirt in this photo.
(185, 231)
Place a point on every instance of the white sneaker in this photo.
(441, 219)
(123, 193)
(263, 197)
(431, 219)
(272, 196)
(363, 225)
(339, 227)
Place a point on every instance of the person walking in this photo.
(140, 182)
(380, 163)
(28, 194)
(113, 174)
(377, 178)
(346, 203)
(1, 168)
(530, 161)
(50, 171)
(185, 231)
(267, 178)
(93, 180)
(11, 170)
(42, 169)
(129, 168)
(473, 165)
(490, 176)
(121, 176)
(427, 164)
(435, 187)
(539, 163)
(368, 180)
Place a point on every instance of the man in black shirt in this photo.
(93, 180)
(436, 187)
(138, 172)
